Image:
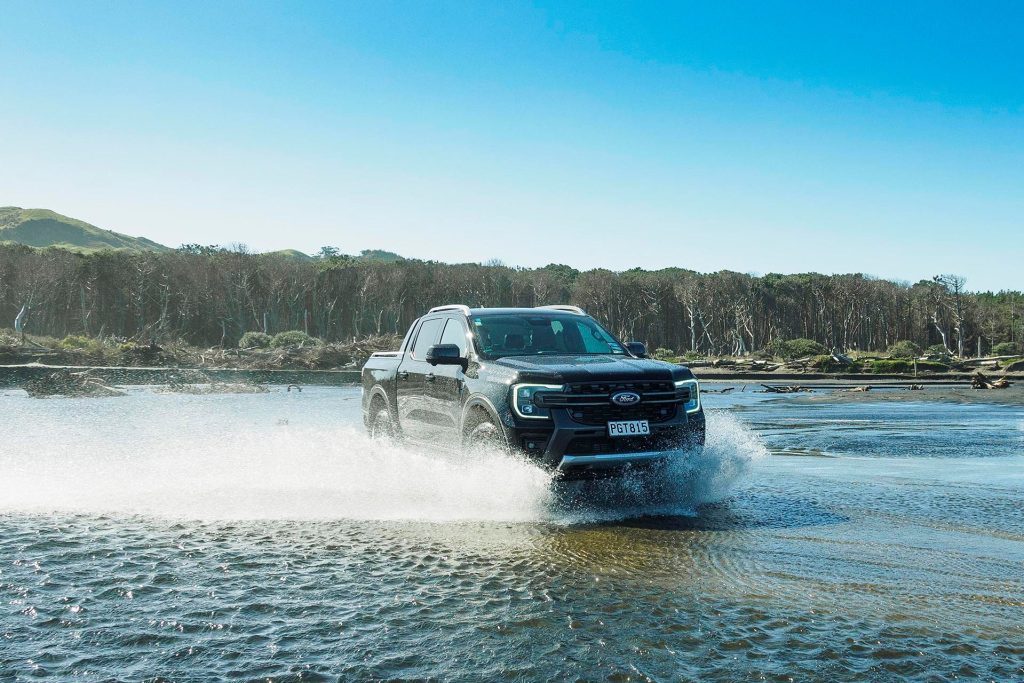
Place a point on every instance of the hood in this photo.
(584, 368)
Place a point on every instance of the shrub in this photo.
(9, 338)
(885, 365)
(904, 365)
(693, 355)
(78, 342)
(75, 341)
(293, 338)
(797, 348)
(1007, 349)
(823, 362)
(905, 349)
(255, 340)
(827, 363)
(664, 354)
(937, 350)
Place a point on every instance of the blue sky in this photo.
(757, 137)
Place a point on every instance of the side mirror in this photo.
(638, 349)
(445, 354)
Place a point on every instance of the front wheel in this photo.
(486, 435)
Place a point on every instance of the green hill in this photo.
(292, 254)
(45, 228)
(379, 255)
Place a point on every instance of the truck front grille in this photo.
(599, 415)
(590, 403)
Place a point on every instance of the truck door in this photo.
(445, 389)
(414, 413)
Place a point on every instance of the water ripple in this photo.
(267, 553)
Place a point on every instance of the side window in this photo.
(454, 333)
(425, 338)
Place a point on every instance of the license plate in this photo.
(629, 428)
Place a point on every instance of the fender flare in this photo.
(375, 391)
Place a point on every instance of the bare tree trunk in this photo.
(938, 328)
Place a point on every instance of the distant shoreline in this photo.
(14, 374)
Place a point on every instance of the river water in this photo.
(255, 537)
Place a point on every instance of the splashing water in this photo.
(693, 479)
(310, 472)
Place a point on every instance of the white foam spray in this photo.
(693, 479)
(306, 472)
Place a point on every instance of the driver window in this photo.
(454, 333)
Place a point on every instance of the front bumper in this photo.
(571, 448)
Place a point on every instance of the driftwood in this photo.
(783, 389)
(764, 366)
(916, 387)
(64, 382)
(990, 360)
(866, 387)
(980, 381)
(799, 363)
(751, 364)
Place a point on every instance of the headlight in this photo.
(692, 404)
(524, 400)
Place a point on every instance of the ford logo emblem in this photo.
(626, 398)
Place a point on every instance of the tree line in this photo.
(211, 296)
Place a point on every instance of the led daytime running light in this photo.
(516, 388)
(693, 404)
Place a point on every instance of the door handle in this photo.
(404, 374)
(429, 377)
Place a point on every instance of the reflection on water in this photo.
(199, 537)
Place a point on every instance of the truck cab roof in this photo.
(467, 311)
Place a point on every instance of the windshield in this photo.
(530, 334)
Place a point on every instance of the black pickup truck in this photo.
(549, 382)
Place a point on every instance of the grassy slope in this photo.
(291, 253)
(45, 228)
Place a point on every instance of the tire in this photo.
(486, 435)
(381, 425)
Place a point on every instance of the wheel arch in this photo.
(377, 393)
(481, 404)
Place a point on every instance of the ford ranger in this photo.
(548, 382)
